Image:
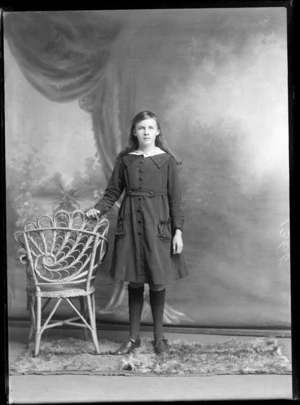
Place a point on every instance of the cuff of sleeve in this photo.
(96, 207)
(178, 227)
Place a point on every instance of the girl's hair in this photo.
(133, 143)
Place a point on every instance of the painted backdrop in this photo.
(217, 79)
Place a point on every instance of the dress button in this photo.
(140, 221)
(140, 188)
(140, 198)
(140, 179)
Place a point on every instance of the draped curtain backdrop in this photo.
(222, 103)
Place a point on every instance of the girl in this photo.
(148, 237)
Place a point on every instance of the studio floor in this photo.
(39, 389)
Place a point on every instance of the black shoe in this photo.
(129, 346)
(161, 346)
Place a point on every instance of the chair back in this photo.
(63, 250)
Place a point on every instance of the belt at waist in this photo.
(145, 193)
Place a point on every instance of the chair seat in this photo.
(63, 293)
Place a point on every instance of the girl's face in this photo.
(146, 132)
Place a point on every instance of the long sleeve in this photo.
(114, 188)
(175, 196)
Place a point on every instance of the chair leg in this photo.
(92, 316)
(38, 326)
(83, 311)
(31, 304)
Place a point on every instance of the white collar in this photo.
(156, 151)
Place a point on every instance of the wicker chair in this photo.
(62, 254)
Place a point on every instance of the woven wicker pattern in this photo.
(60, 247)
(62, 254)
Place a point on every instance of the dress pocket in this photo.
(120, 228)
(164, 231)
(122, 225)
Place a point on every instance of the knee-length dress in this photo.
(150, 212)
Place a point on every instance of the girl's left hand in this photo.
(177, 242)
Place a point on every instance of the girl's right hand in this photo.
(92, 213)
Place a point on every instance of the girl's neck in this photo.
(148, 149)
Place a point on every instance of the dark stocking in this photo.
(157, 302)
(135, 301)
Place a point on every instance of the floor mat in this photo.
(76, 356)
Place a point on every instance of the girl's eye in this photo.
(140, 128)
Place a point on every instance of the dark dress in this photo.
(150, 212)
